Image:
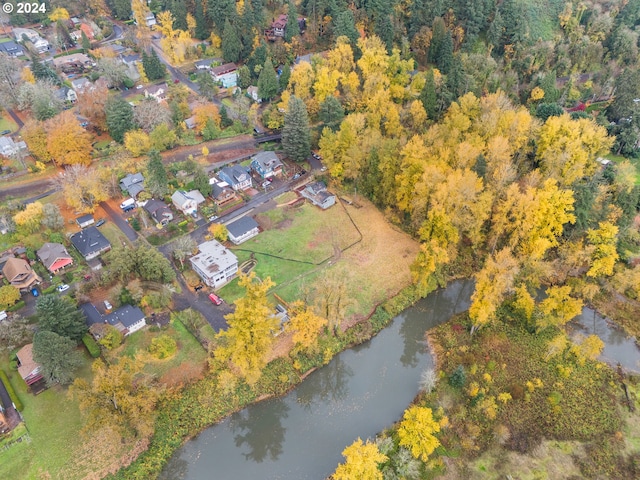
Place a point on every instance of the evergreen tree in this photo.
(202, 27)
(61, 316)
(158, 69)
(345, 24)
(439, 31)
(119, 117)
(85, 42)
(292, 29)
(247, 25)
(231, 45)
(208, 88)
(43, 72)
(384, 30)
(456, 80)
(496, 31)
(201, 181)
(267, 81)
(57, 355)
(331, 112)
(296, 141)
(179, 10)
(256, 60)
(225, 121)
(121, 9)
(428, 96)
(284, 77)
(444, 60)
(156, 182)
(221, 11)
(244, 77)
(64, 37)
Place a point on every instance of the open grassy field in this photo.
(186, 364)
(372, 269)
(7, 123)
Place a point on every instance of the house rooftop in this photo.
(84, 218)
(50, 252)
(242, 226)
(125, 315)
(89, 240)
(226, 68)
(213, 257)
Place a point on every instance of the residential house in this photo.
(88, 31)
(9, 148)
(226, 74)
(126, 319)
(159, 211)
(150, 19)
(205, 64)
(76, 35)
(187, 202)
(79, 84)
(318, 195)
(159, 92)
(29, 370)
(19, 273)
(215, 264)
(54, 256)
(266, 164)
(222, 194)
(242, 230)
(20, 34)
(130, 60)
(132, 184)
(85, 220)
(252, 91)
(236, 177)
(90, 243)
(11, 48)
(75, 61)
(66, 94)
(190, 122)
(279, 25)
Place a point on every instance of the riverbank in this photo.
(185, 414)
(516, 407)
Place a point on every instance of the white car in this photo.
(63, 288)
(107, 305)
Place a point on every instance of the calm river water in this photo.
(301, 436)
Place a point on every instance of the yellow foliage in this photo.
(27, 75)
(59, 13)
(137, 142)
(504, 397)
(361, 462)
(67, 142)
(29, 218)
(416, 432)
(525, 303)
(305, 325)
(215, 40)
(559, 307)
(604, 254)
(487, 378)
(536, 94)
(203, 112)
(474, 389)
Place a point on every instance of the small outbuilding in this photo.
(242, 230)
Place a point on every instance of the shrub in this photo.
(13, 364)
(458, 378)
(50, 289)
(163, 347)
(16, 307)
(12, 394)
(92, 346)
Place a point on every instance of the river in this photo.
(361, 392)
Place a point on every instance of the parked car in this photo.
(5, 132)
(63, 288)
(100, 222)
(197, 288)
(3, 315)
(35, 292)
(107, 305)
(215, 299)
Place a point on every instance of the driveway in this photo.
(11, 414)
(120, 221)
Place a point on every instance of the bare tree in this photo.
(113, 70)
(182, 248)
(10, 80)
(148, 114)
(40, 98)
(51, 216)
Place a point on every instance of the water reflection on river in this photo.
(301, 436)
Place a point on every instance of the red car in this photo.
(215, 299)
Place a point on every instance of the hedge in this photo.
(92, 346)
(49, 289)
(12, 394)
(17, 306)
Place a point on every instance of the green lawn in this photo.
(53, 421)
(113, 233)
(7, 123)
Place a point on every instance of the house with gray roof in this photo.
(132, 184)
(11, 48)
(215, 264)
(266, 164)
(159, 211)
(127, 319)
(9, 148)
(187, 202)
(90, 243)
(236, 177)
(318, 194)
(54, 256)
(242, 230)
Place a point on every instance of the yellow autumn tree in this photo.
(59, 13)
(361, 462)
(27, 75)
(493, 282)
(417, 431)
(137, 142)
(67, 142)
(603, 245)
(35, 136)
(305, 326)
(202, 113)
(29, 219)
(558, 308)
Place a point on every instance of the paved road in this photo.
(18, 191)
(40, 196)
(16, 119)
(120, 222)
(175, 73)
(13, 418)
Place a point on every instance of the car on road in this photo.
(63, 288)
(215, 299)
(35, 292)
(316, 156)
(100, 222)
(323, 169)
(197, 288)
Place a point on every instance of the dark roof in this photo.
(89, 241)
(154, 205)
(84, 218)
(237, 173)
(226, 68)
(126, 315)
(11, 48)
(241, 226)
(217, 190)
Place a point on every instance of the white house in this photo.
(39, 43)
(215, 264)
(226, 74)
(159, 92)
(187, 202)
(150, 19)
(242, 230)
(79, 84)
(252, 91)
(9, 148)
(318, 194)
